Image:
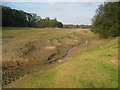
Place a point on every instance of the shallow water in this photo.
(86, 42)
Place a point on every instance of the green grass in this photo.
(86, 67)
(16, 38)
(26, 48)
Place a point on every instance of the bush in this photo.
(106, 20)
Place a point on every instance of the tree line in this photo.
(106, 21)
(77, 26)
(19, 18)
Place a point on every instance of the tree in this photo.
(19, 18)
(47, 19)
(12, 17)
(105, 22)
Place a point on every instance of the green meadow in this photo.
(26, 52)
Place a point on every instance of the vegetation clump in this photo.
(19, 18)
(106, 21)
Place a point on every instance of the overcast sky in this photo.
(66, 12)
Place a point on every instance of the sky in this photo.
(65, 12)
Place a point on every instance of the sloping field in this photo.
(92, 66)
(27, 49)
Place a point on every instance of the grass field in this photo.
(26, 52)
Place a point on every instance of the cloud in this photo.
(66, 12)
(54, 1)
(74, 13)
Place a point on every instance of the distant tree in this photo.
(12, 17)
(47, 19)
(77, 26)
(19, 18)
(59, 24)
(49, 23)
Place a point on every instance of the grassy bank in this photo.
(92, 66)
(29, 49)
